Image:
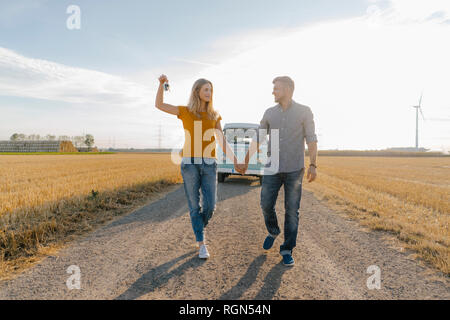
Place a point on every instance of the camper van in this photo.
(239, 137)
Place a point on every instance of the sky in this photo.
(360, 65)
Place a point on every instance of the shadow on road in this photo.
(246, 281)
(272, 282)
(158, 276)
(174, 204)
(171, 206)
(236, 186)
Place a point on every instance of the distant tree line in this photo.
(78, 141)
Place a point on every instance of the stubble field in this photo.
(47, 199)
(406, 196)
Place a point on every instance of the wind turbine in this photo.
(419, 107)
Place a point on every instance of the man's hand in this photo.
(237, 166)
(312, 174)
(241, 168)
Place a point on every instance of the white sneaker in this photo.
(203, 253)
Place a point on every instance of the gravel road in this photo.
(151, 254)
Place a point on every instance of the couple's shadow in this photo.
(271, 282)
(160, 275)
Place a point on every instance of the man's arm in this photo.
(312, 171)
(311, 141)
(252, 149)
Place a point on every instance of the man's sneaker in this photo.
(288, 260)
(268, 243)
(203, 253)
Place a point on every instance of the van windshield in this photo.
(239, 135)
(239, 140)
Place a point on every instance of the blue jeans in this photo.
(200, 174)
(271, 185)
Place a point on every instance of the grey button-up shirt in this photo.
(295, 125)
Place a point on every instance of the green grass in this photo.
(47, 153)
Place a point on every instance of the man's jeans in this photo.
(271, 185)
(200, 174)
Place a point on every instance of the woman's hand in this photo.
(159, 101)
(162, 79)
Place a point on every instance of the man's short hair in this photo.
(286, 81)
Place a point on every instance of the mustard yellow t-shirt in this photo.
(199, 134)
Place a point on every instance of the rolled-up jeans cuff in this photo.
(283, 252)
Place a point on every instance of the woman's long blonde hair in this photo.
(194, 104)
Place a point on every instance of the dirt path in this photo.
(151, 254)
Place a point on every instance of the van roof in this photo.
(241, 126)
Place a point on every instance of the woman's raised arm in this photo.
(159, 103)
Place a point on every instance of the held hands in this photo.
(241, 168)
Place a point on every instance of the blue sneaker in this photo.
(288, 260)
(268, 243)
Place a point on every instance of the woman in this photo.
(198, 165)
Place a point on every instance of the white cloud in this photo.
(419, 10)
(35, 78)
(102, 104)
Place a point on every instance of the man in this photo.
(295, 124)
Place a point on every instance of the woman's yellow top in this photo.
(199, 134)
